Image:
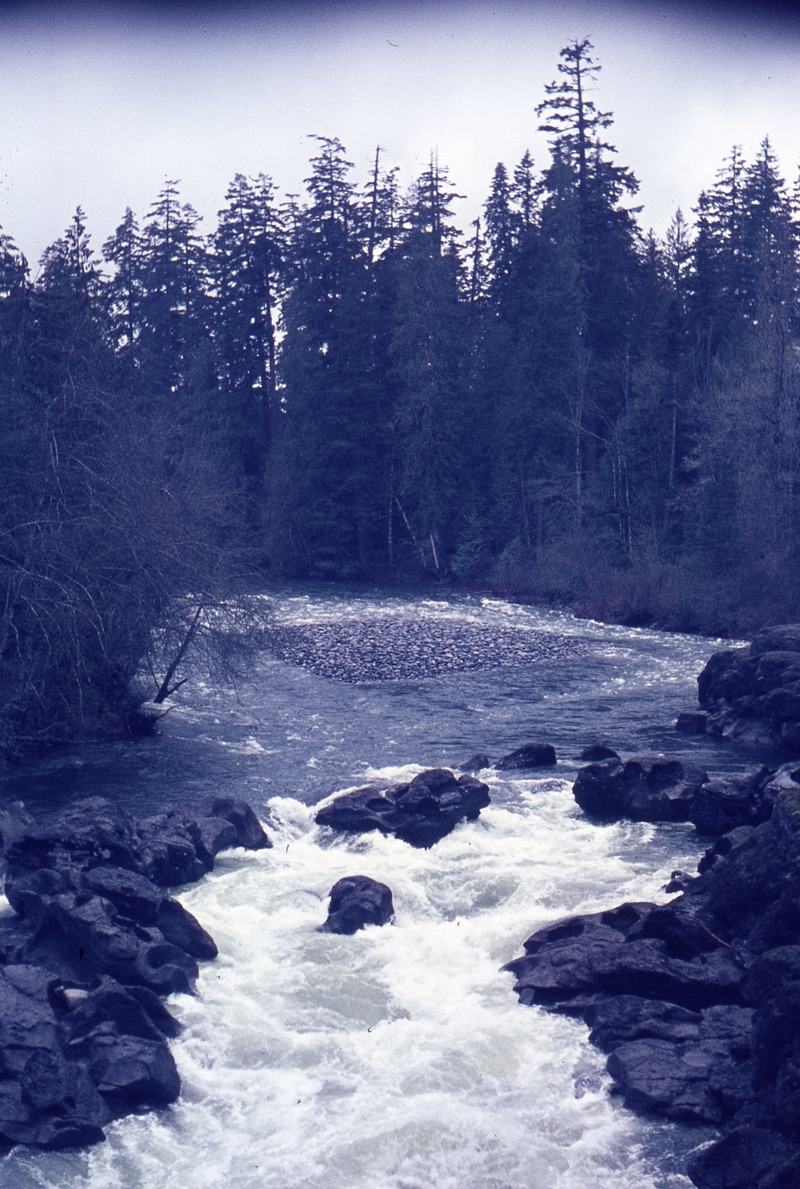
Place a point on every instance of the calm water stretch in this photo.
(398, 1058)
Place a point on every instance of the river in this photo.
(398, 1058)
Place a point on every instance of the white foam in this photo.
(398, 1058)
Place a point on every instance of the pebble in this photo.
(386, 650)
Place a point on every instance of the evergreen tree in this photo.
(331, 507)
(246, 268)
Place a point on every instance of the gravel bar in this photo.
(386, 650)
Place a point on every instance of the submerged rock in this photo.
(357, 901)
(475, 763)
(95, 941)
(530, 755)
(420, 812)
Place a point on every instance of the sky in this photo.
(101, 104)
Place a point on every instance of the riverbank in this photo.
(700, 599)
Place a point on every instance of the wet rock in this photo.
(133, 1072)
(557, 966)
(723, 804)
(622, 1018)
(132, 894)
(170, 851)
(180, 928)
(248, 831)
(475, 763)
(760, 869)
(90, 833)
(94, 944)
(44, 1099)
(697, 1001)
(740, 1160)
(597, 752)
(692, 722)
(645, 968)
(357, 901)
(531, 755)
(722, 846)
(752, 695)
(656, 1076)
(420, 812)
(643, 788)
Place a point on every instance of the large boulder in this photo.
(420, 812)
(643, 788)
(357, 901)
(752, 694)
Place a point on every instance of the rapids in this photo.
(398, 1058)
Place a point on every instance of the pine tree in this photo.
(330, 512)
(246, 269)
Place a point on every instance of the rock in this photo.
(14, 821)
(133, 1072)
(93, 832)
(722, 846)
(761, 868)
(671, 1080)
(167, 851)
(531, 755)
(785, 638)
(180, 928)
(740, 1159)
(752, 695)
(108, 1008)
(692, 722)
(44, 1098)
(597, 752)
(644, 967)
(420, 812)
(557, 966)
(475, 763)
(132, 894)
(357, 901)
(644, 788)
(730, 801)
(249, 832)
(770, 973)
(94, 943)
(622, 1018)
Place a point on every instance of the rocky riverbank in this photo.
(751, 694)
(93, 944)
(696, 1001)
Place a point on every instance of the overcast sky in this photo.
(100, 105)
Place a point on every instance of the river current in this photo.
(398, 1058)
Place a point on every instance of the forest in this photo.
(554, 405)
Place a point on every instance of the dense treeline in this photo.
(345, 386)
